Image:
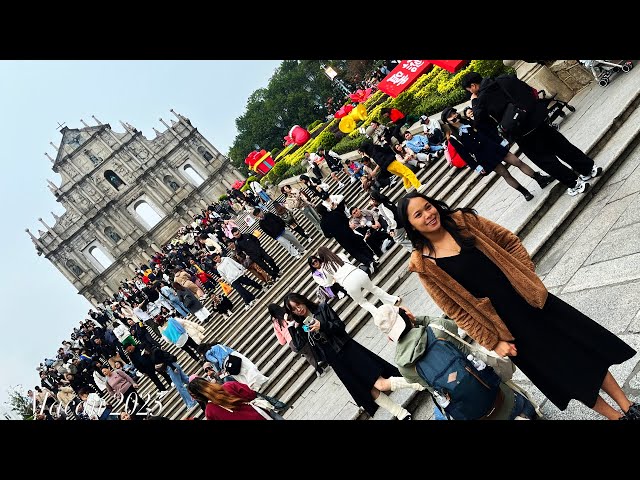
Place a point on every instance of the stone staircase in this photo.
(250, 332)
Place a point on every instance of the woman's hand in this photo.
(506, 349)
(411, 316)
(315, 327)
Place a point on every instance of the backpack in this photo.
(471, 393)
(452, 157)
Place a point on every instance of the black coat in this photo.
(476, 148)
(332, 332)
(492, 101)
(189, 300)
(250, 245)
(272, 225)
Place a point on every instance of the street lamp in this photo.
(333, 76)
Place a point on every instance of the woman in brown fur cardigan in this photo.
(482, 277)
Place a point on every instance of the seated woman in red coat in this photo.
(229, 401)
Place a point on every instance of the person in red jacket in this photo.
(229, 401)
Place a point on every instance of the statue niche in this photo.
(74, 267)
(112, 234)
(205, 153)
(113, 179)
(171, 183)
(94, 159)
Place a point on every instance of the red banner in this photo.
(408, 71)
(449, 65)
(403, 76)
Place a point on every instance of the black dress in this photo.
(562, 351)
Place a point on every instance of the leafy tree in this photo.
(20, 403)
(295, 95)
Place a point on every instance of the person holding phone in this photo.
(363, 373)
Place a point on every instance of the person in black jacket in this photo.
(363, 373)
(275, 227)
(142, 335)
(540, 142)
(386, 160)
(335, 224)
(145, 362)
(250, 245)
(484, 155)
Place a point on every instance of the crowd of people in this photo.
(476, 271)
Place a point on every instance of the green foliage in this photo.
(20, 403)
(348, 144)
(223, 197)
(297, 169)
(247, 183)
(325, 140)
(274, 152)
(314, 125)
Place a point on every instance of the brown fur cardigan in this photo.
(476, 315)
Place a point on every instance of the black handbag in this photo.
(513, 118)
(232, 364)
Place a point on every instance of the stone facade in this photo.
(106, 177)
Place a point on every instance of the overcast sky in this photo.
(40, 306)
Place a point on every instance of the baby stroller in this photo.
(602, 70)
(555, 108)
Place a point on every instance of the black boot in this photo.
(527, 195)
(543, 180)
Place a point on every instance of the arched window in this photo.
(194, 176)
(171, 183)
(148, 214)
(112, 234)
(100, 257)
(205, 153)
(74, 267)
(113, 179)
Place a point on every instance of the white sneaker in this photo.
(595, 171)
(309, 239)
(340, 185)
(580, 187)
(163, 394)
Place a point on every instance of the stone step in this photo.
(251, 332)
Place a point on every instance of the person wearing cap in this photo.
(217, 353)
(364, 374)
(409, 334)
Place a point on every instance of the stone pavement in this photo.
(594, 264)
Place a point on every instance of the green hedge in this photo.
(428, 95)
(223, 197)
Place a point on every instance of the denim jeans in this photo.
(522, 407)
(179, 379)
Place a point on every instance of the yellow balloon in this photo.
(359, 113)
(347, 124)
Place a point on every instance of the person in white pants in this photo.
(337, 268)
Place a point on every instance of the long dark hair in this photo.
(330, 259)
(418, 240)
(296, 297)
(277, 312)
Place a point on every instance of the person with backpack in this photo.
(481, 276)
(497, 102)
(428, 353)
(484, 155)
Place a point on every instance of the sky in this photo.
(40, 306)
